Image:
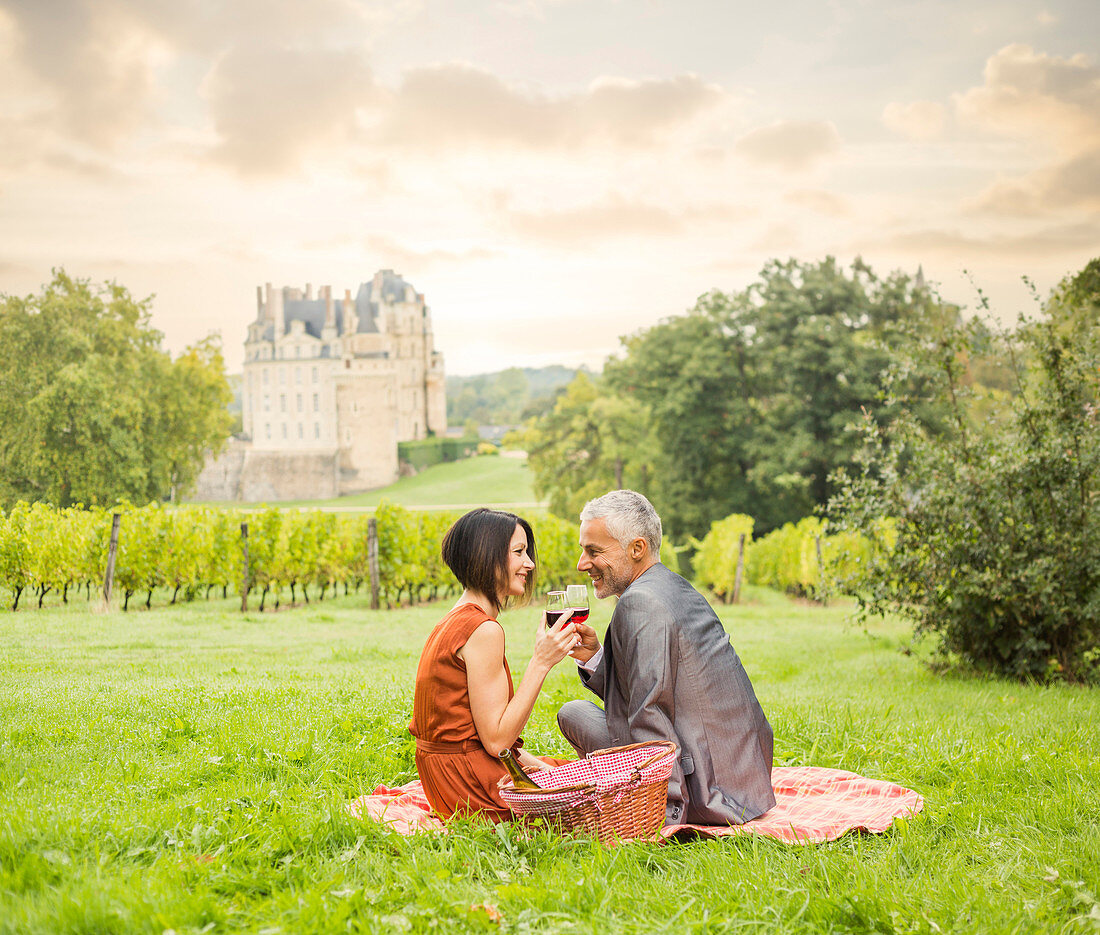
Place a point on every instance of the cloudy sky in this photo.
(551, 174)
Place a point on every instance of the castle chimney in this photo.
(330, 307)
(259, 303)
(275, 310)
(309, 291)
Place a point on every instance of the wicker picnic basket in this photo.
(613, 794)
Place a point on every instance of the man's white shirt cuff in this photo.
(592, 663)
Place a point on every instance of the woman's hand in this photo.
(499, 720)
(553, 644)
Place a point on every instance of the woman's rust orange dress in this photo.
(458, 774)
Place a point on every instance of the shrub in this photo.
(435, 450)
(997, 521)
(715, 561)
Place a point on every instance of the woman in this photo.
(465, 710)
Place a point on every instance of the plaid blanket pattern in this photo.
(813, 804)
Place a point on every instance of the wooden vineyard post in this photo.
(822, 589)
(739, 574)
(112, 551)
(372, 558)
(246, 583)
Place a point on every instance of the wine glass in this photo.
(576, 599)
(555, 606)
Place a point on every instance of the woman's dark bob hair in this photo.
(476, 550)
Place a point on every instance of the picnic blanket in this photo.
(812, 804)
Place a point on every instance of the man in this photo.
(667, 671)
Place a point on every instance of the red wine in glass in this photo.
(555, 607)
(576, 599)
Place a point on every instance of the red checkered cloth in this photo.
(812, 804)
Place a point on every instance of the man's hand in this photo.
(589, 643)
(530, 762)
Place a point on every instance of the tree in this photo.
(750, 394)
(592, 441)
(91, 409)
(997, 524)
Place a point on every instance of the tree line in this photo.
(92, 410)
(507, 397)
(963, 456)
(742, 405)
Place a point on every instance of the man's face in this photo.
(604, 560)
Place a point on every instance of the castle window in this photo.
(299, 402)
(282, 375)
(267, 403)
(300, 430)
(282, 402)
(314, 374)
(316, 402)
(267, 429)
(297, 374)
(298, 351)
(347, 436)
(284, 430)
(316, 429)
(265, 375)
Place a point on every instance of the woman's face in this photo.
(519, 563)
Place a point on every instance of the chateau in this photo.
(329, 389)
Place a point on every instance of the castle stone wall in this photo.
(244, 474)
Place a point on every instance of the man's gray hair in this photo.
(628, 516)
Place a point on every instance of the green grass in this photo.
(487, 480)
(186, 769)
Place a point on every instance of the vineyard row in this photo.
(193, 551)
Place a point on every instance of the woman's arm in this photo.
(498, 720)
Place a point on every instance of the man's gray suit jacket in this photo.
(669, 672)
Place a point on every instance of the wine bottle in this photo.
(520, 779)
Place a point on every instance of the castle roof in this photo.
(311, 312)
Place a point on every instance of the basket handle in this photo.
(656, 756)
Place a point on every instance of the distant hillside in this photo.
(506, 397)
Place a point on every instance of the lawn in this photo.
(488, 480)
(185, 769)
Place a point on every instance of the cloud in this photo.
(820, 201)
(777, 239)
(1027, 92)
(918, 120)
(1072, 184)
(1053, 241)
(392, 254)
(104, 67)
(95, 63)
(1032, 95)
(274, 106)
(616, 217)
(791, 146)
(460, 104)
